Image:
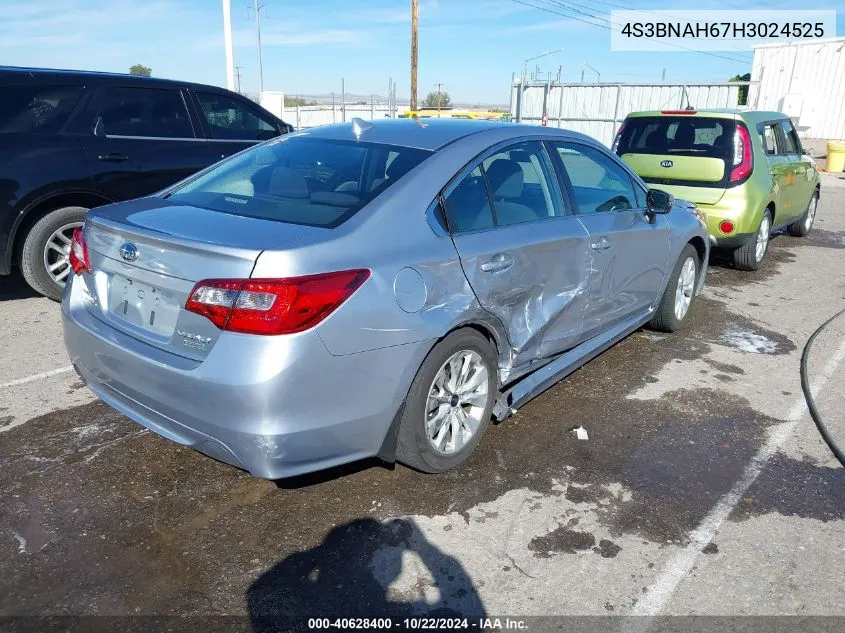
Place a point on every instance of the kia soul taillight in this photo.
(273, 306)
(743, 156)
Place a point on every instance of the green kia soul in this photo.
(746, 171)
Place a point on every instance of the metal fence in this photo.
(597, 109)
(313, 115)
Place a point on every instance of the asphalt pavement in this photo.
(703, 488)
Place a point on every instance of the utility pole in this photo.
(238, 77)
(438, 98)
(415, 8)
(257, 9)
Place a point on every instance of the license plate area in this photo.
(144, 307)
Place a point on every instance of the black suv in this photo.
(70, 141)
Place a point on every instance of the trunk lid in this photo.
(146, 255)
(703, 177)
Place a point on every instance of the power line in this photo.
(610, 28)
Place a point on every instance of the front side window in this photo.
(231, 120)
(144, 112)
(520, 183)
(791, 137)
(300, 180)
(36, 109)
(598, 183)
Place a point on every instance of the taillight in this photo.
(78, 255)
(743, 160)
(273, 306)
(616, 138)
(678, 112)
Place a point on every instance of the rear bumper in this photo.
(730, 241)
(275, 406)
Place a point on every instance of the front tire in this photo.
(44, 258)
(449, 404)
(802, 226)
(679, 294)
(750, 255)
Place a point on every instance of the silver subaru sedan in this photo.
(372, 289)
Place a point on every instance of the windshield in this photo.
(300, 180)
(677, 136)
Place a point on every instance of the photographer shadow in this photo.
(363, 569)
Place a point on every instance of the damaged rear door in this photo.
(525, 257)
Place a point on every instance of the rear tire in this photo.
(46, 247)
(452, 407)
(679, 295)
(750, 255)
(802, 226)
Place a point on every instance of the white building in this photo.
(805, 80)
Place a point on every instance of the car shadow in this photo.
(363, 568)
(330, 474)
(15, 287)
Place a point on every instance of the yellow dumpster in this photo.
(835, 156)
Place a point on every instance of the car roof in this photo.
(728, 113)
(63, 77)
(430, 133)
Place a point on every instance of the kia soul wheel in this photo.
(449, 404)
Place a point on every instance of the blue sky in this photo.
(470, 46)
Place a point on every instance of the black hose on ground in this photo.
(808, 394)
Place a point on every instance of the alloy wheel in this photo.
(811, 213)
(762, 238)
(685, 289)
(456, 402)
(57, 252)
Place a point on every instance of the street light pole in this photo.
(257, 8)
(525, 67)
(415, 8)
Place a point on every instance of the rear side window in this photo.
(145, 112)
(520, 184)
(300, 180)
(791, 137)
(598, 183)
(678, 136)
(231, 120)
(36, 109)
(468, 206)
(771, 141)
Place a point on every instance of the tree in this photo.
(140, 69)
(743, 90)
(292, 102)
(437, 100)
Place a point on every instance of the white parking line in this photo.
(43, 374)
(662, 589)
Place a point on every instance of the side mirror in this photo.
(658, 201)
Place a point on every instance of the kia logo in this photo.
(666, 163)
(129, 252)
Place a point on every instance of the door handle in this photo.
(113, 157)
(602, 245)
(499, 262)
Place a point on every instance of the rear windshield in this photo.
(36, 109)
(300, 180)
(677, 136)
